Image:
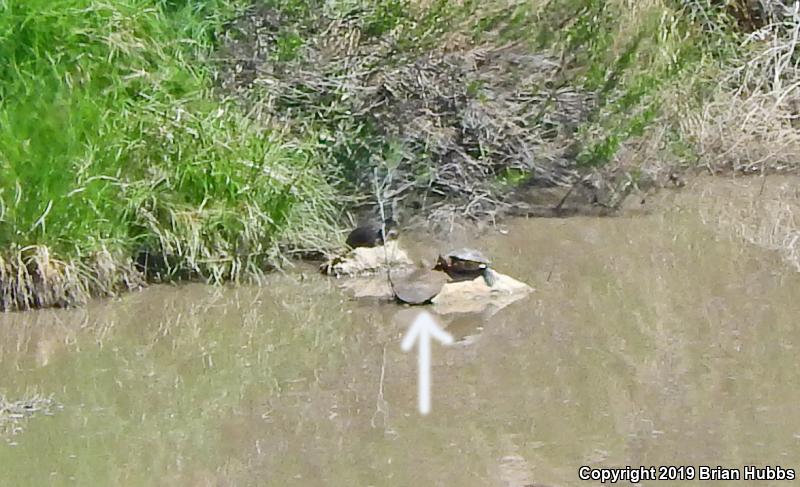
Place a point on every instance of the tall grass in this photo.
(416, 87)
(677, 82)
(112, 138)
(116, 136)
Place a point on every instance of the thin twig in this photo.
(380, 401)
(378, 188)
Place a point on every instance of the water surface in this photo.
(649, 340)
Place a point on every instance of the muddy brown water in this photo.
(649, 340)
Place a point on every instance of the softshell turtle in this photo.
(371, 235)
(419, 287)
(466, 264)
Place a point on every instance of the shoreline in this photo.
(725, 203)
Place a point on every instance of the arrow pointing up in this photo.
(423, 328)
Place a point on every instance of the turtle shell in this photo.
(419, 287)
(365, 236)
(464, 261)
(468, 255)
(371, 235)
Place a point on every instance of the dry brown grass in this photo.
(31, 277)
(453, 124)
(751, 123)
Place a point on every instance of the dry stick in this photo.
(380, 402)
(379, 197)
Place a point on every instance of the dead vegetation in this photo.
(750, 124)
(31, 278)
(457, 126)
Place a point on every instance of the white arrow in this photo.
(425, 327)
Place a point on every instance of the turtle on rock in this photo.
(419, 287)
(466, 264)
(372, 235)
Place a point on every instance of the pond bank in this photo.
(226, 137)
(758, 209)
(647, 340)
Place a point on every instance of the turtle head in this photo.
(391, 234)
(381, 237)
(489, 276)
(441, 264)
(387, 231)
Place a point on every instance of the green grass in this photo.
(629, 58)
(111, 137)
(115, 136)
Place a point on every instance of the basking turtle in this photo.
(419, 287)
(466, 264)
(371, 235)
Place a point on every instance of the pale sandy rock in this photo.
(476, 295)
(455, 297)
(368, 260)
(368, 287)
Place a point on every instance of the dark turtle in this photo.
(371, 235)
(156, 265)
(419, 287)
(466, 264)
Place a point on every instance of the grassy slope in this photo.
(628, 58)
(113, 135)
(111, 138)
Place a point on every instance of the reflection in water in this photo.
(647, 341)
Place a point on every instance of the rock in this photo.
(476, 295)
(368, 260)
(454, 297)
(368, 287)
